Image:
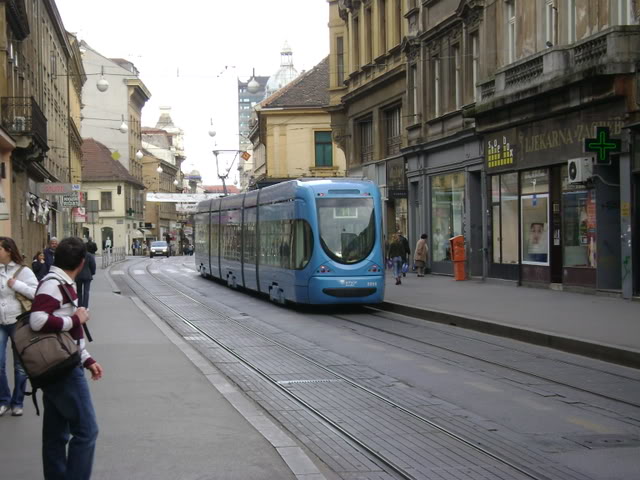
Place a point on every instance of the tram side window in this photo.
(302, 245)
(231, 240)
(275, 243)
(250, 235)
(202, 233)
(215, 219)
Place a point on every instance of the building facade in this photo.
(368, 96)
(558, 87)
(116, 192)
(443, 151)
(36, 72)
(292, 132)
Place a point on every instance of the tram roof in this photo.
(281, 191)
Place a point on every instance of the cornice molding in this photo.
(18, 19)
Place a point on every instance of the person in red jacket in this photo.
(69, 416)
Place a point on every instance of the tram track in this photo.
(499, 364)
(522, 471)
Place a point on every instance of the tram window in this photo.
(231, 240)
(302, 244)
(281, 246)
(250, 235)
(347, 228)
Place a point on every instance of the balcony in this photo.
(21, 117)
(610, 52)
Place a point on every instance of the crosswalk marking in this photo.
(117, 272)
(432, 369)
(139, 272)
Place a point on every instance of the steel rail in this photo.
(498, 458)
(502, 365)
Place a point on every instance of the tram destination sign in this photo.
(57, 188)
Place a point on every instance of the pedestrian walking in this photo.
(68, 409)
(49, 255)
(421, 254)
(92, 247)
(83, 280)
(407, 251)
(395, 254)
(15, 278)
(37, 265)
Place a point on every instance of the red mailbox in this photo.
(459, 256)
(458, 253)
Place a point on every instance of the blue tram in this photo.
(305, 241)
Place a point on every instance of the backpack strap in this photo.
(15, 275)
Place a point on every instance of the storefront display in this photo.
(504, 199)
(534, 208)
(447, 206)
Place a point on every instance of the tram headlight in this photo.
(324, 269)
(375, 269)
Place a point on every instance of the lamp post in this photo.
(216, 152)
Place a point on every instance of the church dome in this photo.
(285, 74)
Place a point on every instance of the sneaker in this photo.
(3, 409)
(16, 412)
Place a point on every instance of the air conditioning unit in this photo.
(580, 169)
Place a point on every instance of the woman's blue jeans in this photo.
(69, 418)
(19, 375)
(397, 266)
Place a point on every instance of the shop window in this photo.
(504, 199)
(534, 190)
(447, 212)
(578, 224)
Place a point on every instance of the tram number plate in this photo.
(350, 283)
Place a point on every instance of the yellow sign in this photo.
(499, 155)
(625, 209)
(245, 156)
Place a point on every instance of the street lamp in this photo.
(253, 86)
(159, 169)
(139, 155)
(102, 85)
(123, 126)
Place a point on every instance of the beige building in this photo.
(159, 176)
(36, 72)
(368, 91)
(291, 133)
(106, 181)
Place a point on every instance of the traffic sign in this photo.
(245, 156)
(71, 200)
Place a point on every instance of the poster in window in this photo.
(535, 229)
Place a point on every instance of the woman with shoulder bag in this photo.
(17, 288)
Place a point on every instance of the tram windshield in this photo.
(347, 228)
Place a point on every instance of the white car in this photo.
(159, 248)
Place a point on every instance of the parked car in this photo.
(159, 248)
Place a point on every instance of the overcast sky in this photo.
(182, 49)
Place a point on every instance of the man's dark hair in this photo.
(70, 253)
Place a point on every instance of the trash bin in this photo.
(459, 257)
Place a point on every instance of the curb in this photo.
(607, 353)
(114, 287)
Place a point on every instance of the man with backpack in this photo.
(68, 409)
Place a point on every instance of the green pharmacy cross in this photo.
(603, 145)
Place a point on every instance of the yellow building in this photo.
(106, 181)
(291, 134)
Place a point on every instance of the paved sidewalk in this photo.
(593, 325)
(160, 416)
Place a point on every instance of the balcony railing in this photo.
(22, 116)
(612, 51)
